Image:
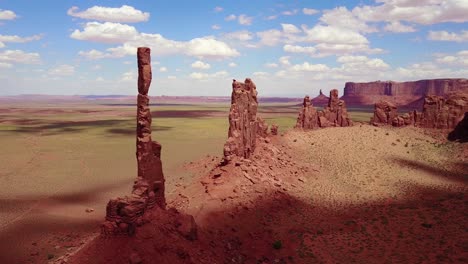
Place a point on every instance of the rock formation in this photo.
(384, 113)
(308, 117)
(243, 121)
(442, 113)
(400, 93)
(274, 129)
(320, 100)
(460, 133)
(335, 114)
(124, 214)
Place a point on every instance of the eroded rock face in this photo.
(401, 93)
(335, 114)
(460, 132)
(442, 113)
(308, 117)
(124, 214)
(243, 122)
(384, 112)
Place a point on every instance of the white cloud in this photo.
(290, 12)
(245, 20)
(310, 67)
(216, 27)
(299, 49)
(309, 11)
(124, 14)
(205, 47)
(17, 39)
(398, 27)
(203, 76)
(62, 70)
(107, 32)
(242, 35)
(218, 9)
(201, 65)
(19, 56)
(162, 69)
(260, 75)
(334, 35)
(290, 28)
(341, 17)
(284, 60)
(171, 77)
(271, 65)
(448, 36)
(5, 65)
(272, 17)
(230, 17)
(426, 12)
(129, 76)
(458, 59)
(232, 64)
(7, 15)
(96, 67)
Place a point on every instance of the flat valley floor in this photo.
(370, 187)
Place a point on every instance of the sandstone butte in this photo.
(401, 93)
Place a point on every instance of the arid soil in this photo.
(358, 194)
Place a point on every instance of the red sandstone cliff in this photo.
(400, 93)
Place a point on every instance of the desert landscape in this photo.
(243, 132)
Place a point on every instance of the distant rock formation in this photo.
(123, 215)
(320, 100)
(442, 113)
(384, 113)
(400, 93)
(308, 116)
(334, 114)
(243, 121)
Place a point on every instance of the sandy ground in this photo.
(360, 194)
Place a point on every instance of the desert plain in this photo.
(334, 195)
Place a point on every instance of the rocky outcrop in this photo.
(320, 100)
(439, 112)
(335, 114)
(460, 132)
(400, 93)
(242, 121)
(274, 129)
(384, 113)
(308, 116)
(124, 214)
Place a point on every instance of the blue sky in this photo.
(289, 48)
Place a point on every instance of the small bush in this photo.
(277, 244)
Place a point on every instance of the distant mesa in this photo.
(410, 93)
(320, 100)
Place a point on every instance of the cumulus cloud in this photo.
(17, 39)
(310, 67)
(334, 35)
(300, 49)
(231, 17)
(271, 65)
(162, 69)
(124, 14)
(205, 76)
(290, 12)
(216, 27)
(458, 59)
(309, 11)
(341, 17)
(19, 56)
(425, 12)
(129, 76)
(232, 64)
(201, 65)
(62, 70)
(290, 29)
(461, 36)
(398, 27)
(218, 9)
(245, 20)
(107, 32)
(7, 15)
(242, 35)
